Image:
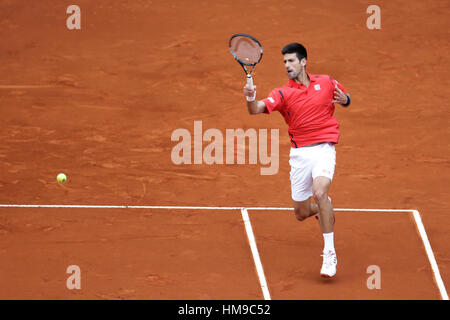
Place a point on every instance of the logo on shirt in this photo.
(317, 87)
(271, 100)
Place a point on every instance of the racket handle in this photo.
(250, 80)
(250, 84)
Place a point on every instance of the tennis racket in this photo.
(248, 52)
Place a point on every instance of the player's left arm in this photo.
(340, 96)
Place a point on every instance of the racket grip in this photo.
(250, 84)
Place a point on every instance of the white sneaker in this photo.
(329, 264)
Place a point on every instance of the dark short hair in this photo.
(296, 48)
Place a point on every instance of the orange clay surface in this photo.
(100, 104)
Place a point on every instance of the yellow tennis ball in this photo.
(61, 178)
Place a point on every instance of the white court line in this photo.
(430, 254)
(183, 207)
(255, 253)
(113, 207)
(416, 215)
(335, 209)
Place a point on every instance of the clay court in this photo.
(101, 103)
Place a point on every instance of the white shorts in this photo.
(308, 163)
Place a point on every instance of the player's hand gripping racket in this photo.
(248, 52)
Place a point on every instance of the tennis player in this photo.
(307, 104)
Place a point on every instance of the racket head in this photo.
(246, 49)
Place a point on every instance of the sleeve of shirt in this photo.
(275, 101)
(340, 86)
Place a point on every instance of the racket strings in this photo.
(246, 50)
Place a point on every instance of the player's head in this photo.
(297, 48)
(295, 57)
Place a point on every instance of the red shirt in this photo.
(308, 111)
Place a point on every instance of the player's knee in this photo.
(301, 214)
(319, 195)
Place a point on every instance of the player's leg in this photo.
(302, 184)
(326, 220)
(305, 209)
(325, 208)
(322, 177)
(322, 174)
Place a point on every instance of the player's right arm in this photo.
(255, 106)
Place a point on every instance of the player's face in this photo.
(293, 66)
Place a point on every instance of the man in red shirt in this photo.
(307, 104)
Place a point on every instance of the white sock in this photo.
(328, 242)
